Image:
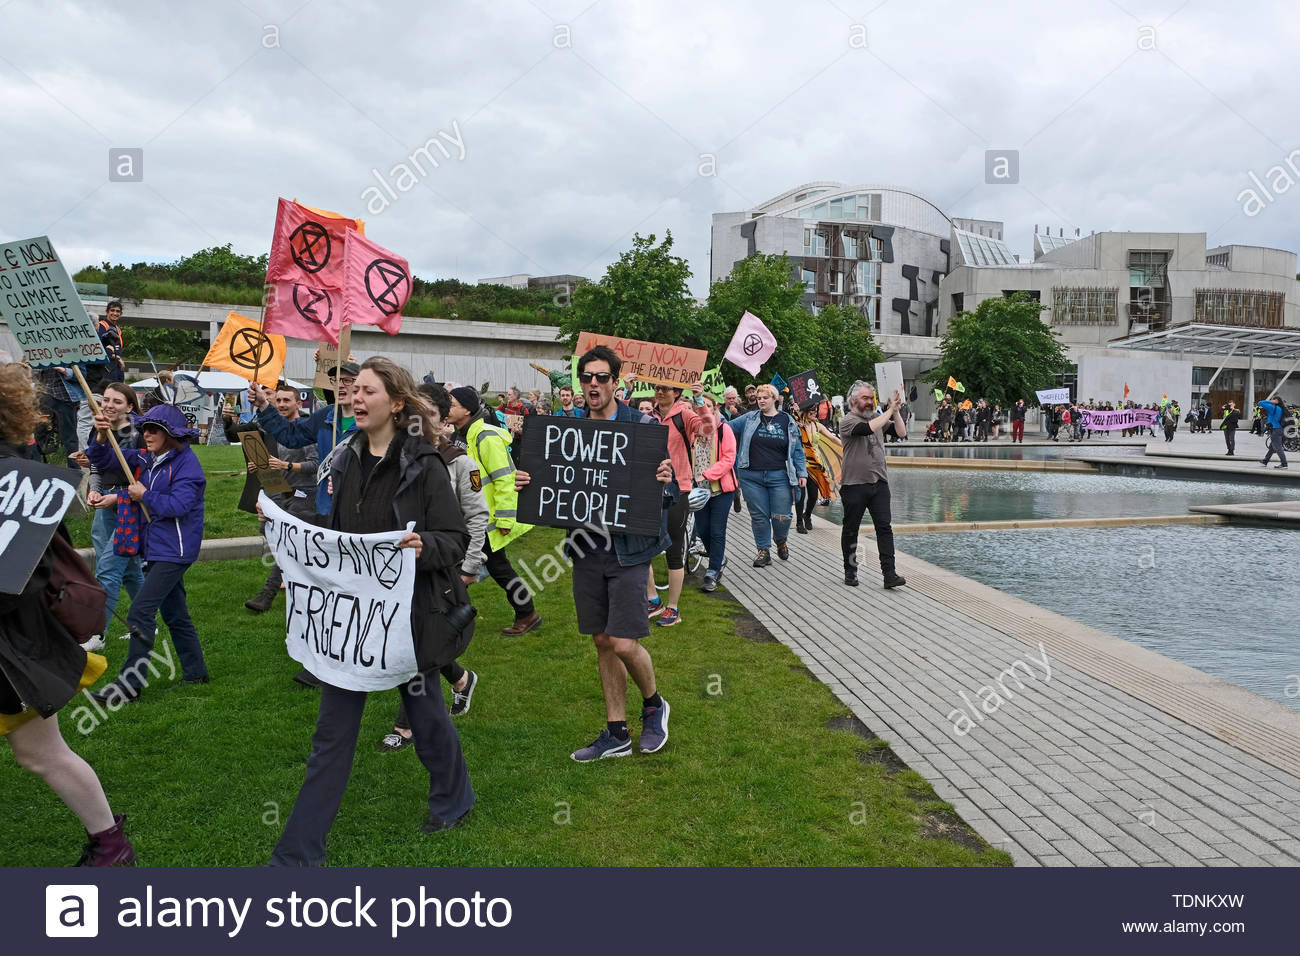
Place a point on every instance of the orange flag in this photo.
(1126, 389)
(247, 351)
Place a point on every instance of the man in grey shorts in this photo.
(609, 575)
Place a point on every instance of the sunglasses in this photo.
(602, 377)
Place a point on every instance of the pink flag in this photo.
(307, 247)
(752, 345)
(376, 284)
(303, 311)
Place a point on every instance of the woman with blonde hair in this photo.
(42, 667)
(771, 467)
(387, 475)
(713, 456)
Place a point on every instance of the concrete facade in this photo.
(879, 249)
(1183, 289)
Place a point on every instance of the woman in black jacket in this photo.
(42, 667)
(384, 476)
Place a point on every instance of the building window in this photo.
(850, 247)
(1084, 306)
(1147, 267)
(809, 280)
(958, 303)
(814, 243)
(1034, 294)
(1243, 307)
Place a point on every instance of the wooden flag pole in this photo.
(112, 439)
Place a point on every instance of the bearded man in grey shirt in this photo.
(865, 483)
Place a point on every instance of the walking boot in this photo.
(850, 571)
(764, 558)
(892, 578)
(109, 847)
(261, 602)
(799, 526)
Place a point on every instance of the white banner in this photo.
(347, 601)
(889, 379)
(1053, 396)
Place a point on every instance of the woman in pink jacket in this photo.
(714, 460)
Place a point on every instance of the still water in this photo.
(921, 495)
(1011, 452)
(1161, 586)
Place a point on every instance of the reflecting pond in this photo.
(921, 495)
(1159, 586)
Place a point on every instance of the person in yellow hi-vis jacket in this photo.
(489, 445)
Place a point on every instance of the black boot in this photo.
(261, 602)
(851, 570)
(799, 525)
(892, 578)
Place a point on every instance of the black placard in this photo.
(33, 500)
(805, 389)
(589, 472)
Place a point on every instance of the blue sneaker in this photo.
(669, 617)
(654, 728)
(606, 745)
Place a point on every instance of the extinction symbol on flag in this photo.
(309, 245)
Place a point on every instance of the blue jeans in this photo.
(113, 571)
(163, 592)
(770, 500)
(711, 528)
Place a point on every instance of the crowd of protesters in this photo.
(435, 461)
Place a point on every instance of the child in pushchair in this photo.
(932, 433)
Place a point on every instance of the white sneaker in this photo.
(96, 643)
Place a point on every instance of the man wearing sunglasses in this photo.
(609, 575)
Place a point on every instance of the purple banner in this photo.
(1114, 421)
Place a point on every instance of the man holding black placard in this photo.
(609, 575)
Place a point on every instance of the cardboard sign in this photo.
(40, 304)
(328, 359)
(712, 383)
(889, 379)
(273, 481)
(650, 362)
(33, 499)
(805, 389)
(347, 601)
(514, 422)
(590, 473)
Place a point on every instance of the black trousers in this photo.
(809, 502)
(451, 673)
(1230, 436)
(335, 743)
(498, 565)
(858, 500)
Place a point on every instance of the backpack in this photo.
(73, 596)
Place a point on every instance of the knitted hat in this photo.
(467, 397)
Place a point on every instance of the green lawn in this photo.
(752, 774)
(224, 467)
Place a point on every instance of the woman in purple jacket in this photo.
(170, 484)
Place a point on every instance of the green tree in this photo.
(1002, 351)
(850, 350)
(644, 295)
(764, 285)
(168, 346)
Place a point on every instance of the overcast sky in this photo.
(583, 122)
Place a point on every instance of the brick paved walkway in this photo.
(1121, 757)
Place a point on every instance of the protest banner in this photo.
(328, 359)
(376, 284)
(889, 379)
(778, 383)
(272, 480)
(650, 361)
(243, 349)
(751, 344)
(514, 423)
(33, 499)
(1053, 396)
(40, 304)
(589, 473)
(805, 390)
(712, 384)
(347, 601)
(1105, 421)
